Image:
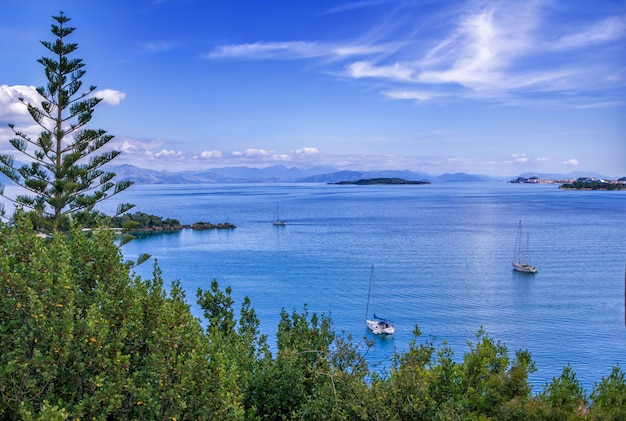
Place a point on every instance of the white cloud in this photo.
(480, 52)
(110, 96)
(307, 151)
(418, 95)
(610, 29)
(10, 106)
(169, 153)
(571, 162)
(164, 154)
(12, 110)
(361, 69)
(520, 158)
(356, 5)
(252, 152)
(210, 154)
(499, 51)
(266, 50)
(295, 50)
(281, 157)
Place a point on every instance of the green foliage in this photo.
(80, 331)
(563, 398)
(64, 178)
(593, 185)
(609, 397)
(84, 338)
(141, 220)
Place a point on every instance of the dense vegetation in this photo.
(140, 221)
(593, 185)
(143, 221)
(82, 337)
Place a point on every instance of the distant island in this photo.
(369, 181)
(587, 183)
(537, 180)
(142, 222)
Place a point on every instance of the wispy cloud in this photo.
(491, 50)
(356, 5)
(396, 71)
(157, 46)
(520, 158)
(412, 94)
(607, 30)
(292, 50)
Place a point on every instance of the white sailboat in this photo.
(278, 221)
(378, 325)
(521, 260)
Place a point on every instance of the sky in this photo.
(482, 87)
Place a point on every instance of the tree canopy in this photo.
(82, 337)
(64, 177)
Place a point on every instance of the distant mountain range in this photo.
(283, 174)
(280, 174)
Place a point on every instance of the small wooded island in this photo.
(585, 183)
(142, 222)
(369, 181)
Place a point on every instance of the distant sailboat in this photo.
(279, 221)
(521, 261)
(377, 325)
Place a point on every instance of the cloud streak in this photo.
(495, 51)
(293, 50)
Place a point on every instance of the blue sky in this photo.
(484, 87)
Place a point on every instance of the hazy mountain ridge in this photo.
(280, 174)
(320, 174)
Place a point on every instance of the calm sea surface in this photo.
(442, 255)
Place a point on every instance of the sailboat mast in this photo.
(517, 252)
(369, 294)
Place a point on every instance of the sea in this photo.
(442, 256)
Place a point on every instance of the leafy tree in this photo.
(64, 177)
(563, 398)
(236, 351)
(609, 397)
(280, 390)
(37, 316)
(409, 385)
(84, 339)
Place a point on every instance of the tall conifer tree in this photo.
(64, 176)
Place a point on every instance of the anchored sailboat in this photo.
(279, 221)
(377, 325)
(521, 261)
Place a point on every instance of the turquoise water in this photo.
(442, 255)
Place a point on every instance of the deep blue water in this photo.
(442, 255)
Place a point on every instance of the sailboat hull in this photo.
(380, 327)
(521, 267)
